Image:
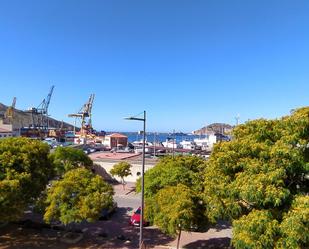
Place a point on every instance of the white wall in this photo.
(136, 167)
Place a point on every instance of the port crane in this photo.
(41, 112)
(85, 116)
(9, 114)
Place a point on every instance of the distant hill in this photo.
(24, 119)
(214, 128)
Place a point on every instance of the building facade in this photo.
(4, 133)
(115, 140)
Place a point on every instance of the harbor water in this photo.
(160, 137)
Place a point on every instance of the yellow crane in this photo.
(85, 115)
(9, 114)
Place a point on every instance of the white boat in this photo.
(207, 142)
(201, 141)
(188, 145)
(139, 143)
(170, 143)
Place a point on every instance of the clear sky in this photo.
(187, 63)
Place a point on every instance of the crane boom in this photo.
(14, 102)
(85, 112)
(48, 100)
(10, 110)
(40, 114)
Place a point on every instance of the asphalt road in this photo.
(130, 202)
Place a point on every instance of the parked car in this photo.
(136, 218)
(107, 212)
(88, 149)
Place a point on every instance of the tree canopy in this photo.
(79, 196)
(174, 209)
(174, 174)
(259, 178)
(24, 173)
(67, 158)
(170, 171)
(122, 170)
(25, 169)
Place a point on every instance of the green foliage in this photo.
(295, 225)
(122, 169)
(174, 209)
(170, 171)
(185, 171)
(79, 196)
(263, 168)
(24, 173)
(67, 158)
(257, 230)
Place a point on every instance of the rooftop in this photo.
(112, 156)
(2, 130)
(130, 157)
(117, 135)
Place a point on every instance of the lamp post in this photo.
(143, 170)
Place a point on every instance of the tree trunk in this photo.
(178, 239)
(123, 184)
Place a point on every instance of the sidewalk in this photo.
(129, 189)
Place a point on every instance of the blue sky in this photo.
(187, 63)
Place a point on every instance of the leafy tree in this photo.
(258, 178)
(67, 158)
(79, 196)
(170, 172)
(24, 173)
(122, 170)
(255, 230)
(295, 225)
(174, 209)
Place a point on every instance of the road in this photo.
(131, 201)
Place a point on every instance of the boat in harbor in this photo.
(188, 145)
(171, 143)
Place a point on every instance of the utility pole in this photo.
(141, 237)
(154, 144)
(237, 119)
(174, 141)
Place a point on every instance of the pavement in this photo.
(112, 156)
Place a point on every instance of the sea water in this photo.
(160, 137)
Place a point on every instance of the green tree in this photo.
(24, 173)
(122, 170)
(170, 172)
(79, 196)
(295, 225)
(67, 158)
(174, 209)
(255, 230)
(255, 179)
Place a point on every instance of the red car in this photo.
(136, 218)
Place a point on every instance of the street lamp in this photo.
(143, 170)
